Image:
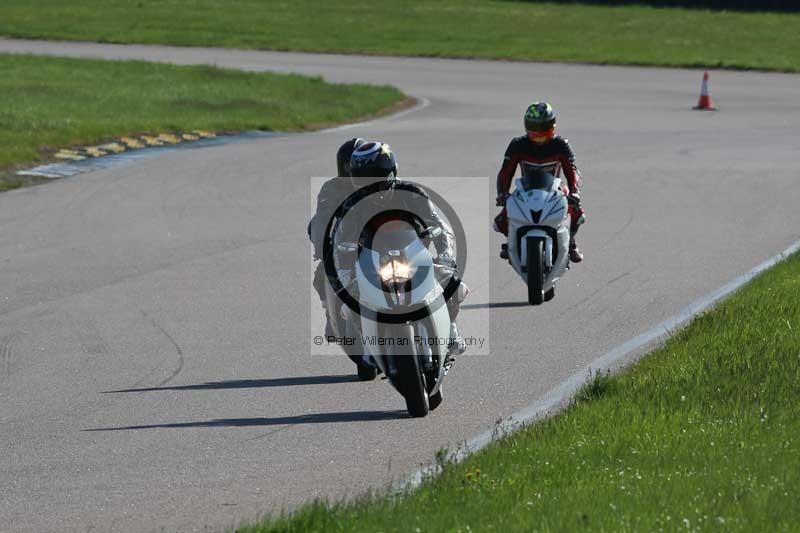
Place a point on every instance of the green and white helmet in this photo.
(540, 117)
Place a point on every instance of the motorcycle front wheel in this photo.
(535, 270)
(409, 380)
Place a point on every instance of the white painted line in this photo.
(421, 104)
(47, 171)
(556, 397)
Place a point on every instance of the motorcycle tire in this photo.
(535, 270)
(410, 380)
(435, 400)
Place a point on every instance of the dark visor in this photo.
(369, 171)
(539, 126)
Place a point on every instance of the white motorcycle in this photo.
(402, 322)
(538, 233)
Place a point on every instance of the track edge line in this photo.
(549, 404)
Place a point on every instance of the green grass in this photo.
(700, 435)
(52, 102)
(456, 28)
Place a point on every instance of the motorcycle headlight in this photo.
(397, 271)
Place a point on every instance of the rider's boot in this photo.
(369, 361)
(456, 346)
(328, 325)
(504, 251)
(575, 254)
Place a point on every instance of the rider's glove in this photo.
(345, 277)
(501, 199)
(446, 259)
(574, 199)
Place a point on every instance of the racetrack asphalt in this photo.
(154, 339)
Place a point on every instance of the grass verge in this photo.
(47, 103)
(702, 434)
(454, 28)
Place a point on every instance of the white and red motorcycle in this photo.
(538, 233)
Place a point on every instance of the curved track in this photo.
(153, 317)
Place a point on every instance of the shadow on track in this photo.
(494, 305)
(319, 418)
(249, 383)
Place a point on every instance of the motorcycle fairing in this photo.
(540, 213)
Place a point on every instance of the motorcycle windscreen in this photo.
(392, 237)
(398, 263)
(537, 180)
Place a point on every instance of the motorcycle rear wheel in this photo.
(435, 400)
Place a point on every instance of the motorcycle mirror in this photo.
(431, 232)
(347, 247)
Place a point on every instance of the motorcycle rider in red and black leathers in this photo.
(541, 149)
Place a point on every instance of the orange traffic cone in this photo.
(705, 102)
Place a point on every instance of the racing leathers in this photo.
(554, 156)
(332, 194)
(360, 225)
(336, 191)
(409, 197)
